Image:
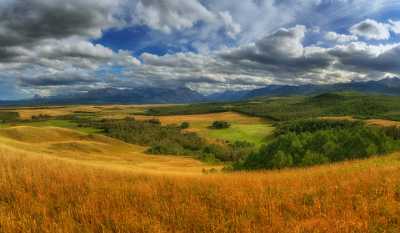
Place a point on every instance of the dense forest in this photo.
(313, 142)
(299, 107)
(6, 117)
(169, 139)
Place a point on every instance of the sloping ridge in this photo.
(92, 150)
(56, 140)
(30, 134)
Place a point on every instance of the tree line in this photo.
(314, 142)
(169, 139)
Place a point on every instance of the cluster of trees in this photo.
(9, 117)
(393, 132)
(313, 125)
(298, 107)
(220, 125)
(303, 144)
(169, 139)
(187, 109)
(295, 107)
(40, 117)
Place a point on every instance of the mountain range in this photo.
(388, 86)
(152, 95)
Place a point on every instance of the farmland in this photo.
(103, 169)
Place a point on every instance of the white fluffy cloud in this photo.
(339, 38)
(168, 15)
(47, 45)
(371, 29)
(395, 26)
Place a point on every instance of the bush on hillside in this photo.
(184, 125)
(220, 125)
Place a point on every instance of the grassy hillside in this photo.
(300, 107)
(93, 150)
(243, 128)
(42, 194)
(57, 175)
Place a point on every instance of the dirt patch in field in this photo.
(338, 118)
(384, 123)
(205, 118)
(377, 122)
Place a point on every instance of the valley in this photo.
(138, 168)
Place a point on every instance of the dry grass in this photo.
(206, 118)
(385, 123)
(60, 180)
(93, 150)
(27, 113)
(118, 111)
(243, 127)
(39, 194)
(338, 118)
(377, 122)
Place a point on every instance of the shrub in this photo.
(184, 125)
(40, 117)
(154, 121)
(220, 125)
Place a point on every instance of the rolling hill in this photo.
(91, 150)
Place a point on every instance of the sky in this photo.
(53, 47)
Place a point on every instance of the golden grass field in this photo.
(243, 127)
(377, 122)
(45, 194)
(117, 111)
(93, 150)
(61, 180)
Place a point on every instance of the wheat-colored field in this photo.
(113, 111)
(384, 123)
(243, 127)
(93, 150)
(44, 194)
(205, 118)
(61, 180)
(376, 122)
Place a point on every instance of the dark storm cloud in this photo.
(282, 51)
(27, 21)
(47, 45)
(63, 79)
(361, 57)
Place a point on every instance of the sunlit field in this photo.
(199, 116)
(93, 150)
(243, 128)
(57, 176)
(41, 194)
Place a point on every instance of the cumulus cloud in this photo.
(24, 22)
(232, 28)
(283, 51)
(371, 29)
(361, 57)
(57, 79)
(45, 43)
(339, 38)
(168, 15)
(48, 46)
(395, 26)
